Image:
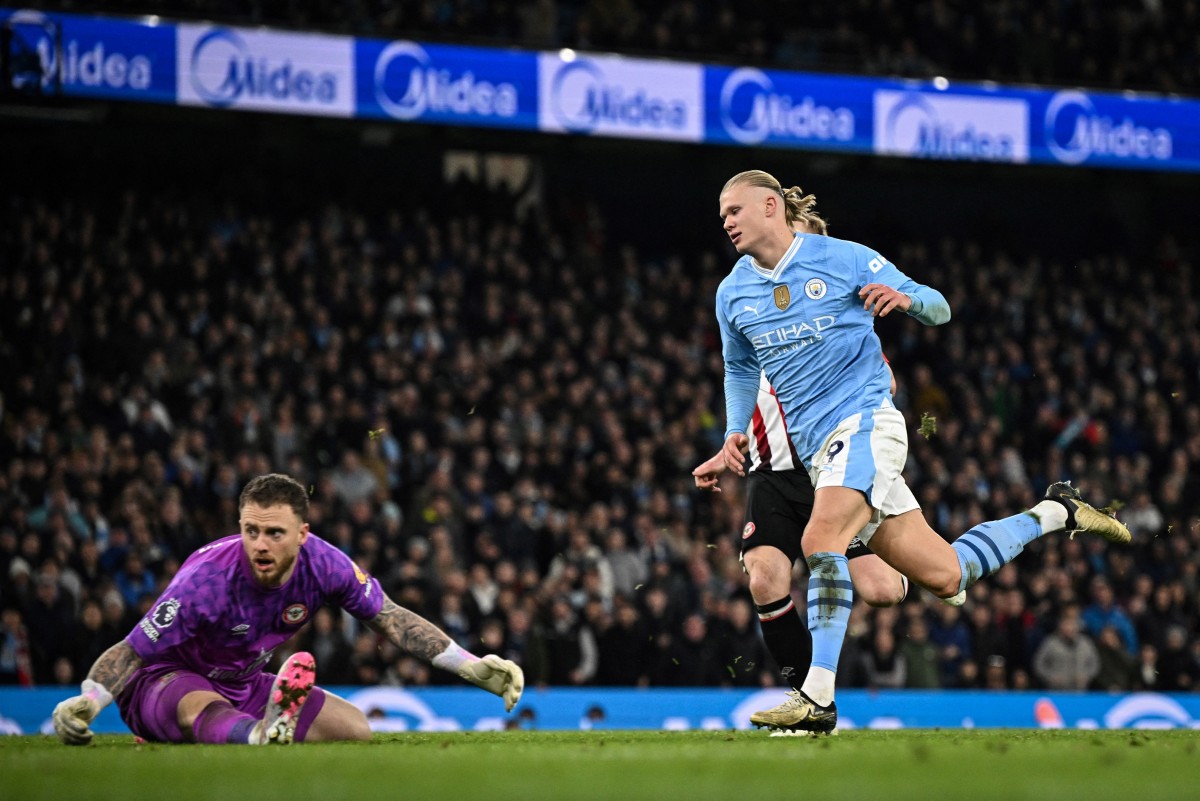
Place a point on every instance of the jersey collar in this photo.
(788, 255)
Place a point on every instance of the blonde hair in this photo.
(798, 207)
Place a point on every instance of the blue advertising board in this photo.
(414, 82)
(753, 107)
(263, 70)
(1096, 129)
(99, 57)
(601, 95)
(27, 711)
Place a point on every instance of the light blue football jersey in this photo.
(805, 327)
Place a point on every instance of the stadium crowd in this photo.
(498, 417)
(1115, 44)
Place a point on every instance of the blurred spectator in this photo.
(570, 645)
(1067, 659)
(91, 638)
(885, 664)
(742, 653)
(64, 672)
(134, 580)
(59, 503)
(614, 641)
(1103, 613)
(1176, 666)
(695, 661)
(1142, 517)
(50, 622)
(524, 646)
(352, 480)
(920, 658)
(16, 667)
(626, 567)
(326, 640)
(950, 634)
(996, 673)
(1116, 664)
(1146, 675)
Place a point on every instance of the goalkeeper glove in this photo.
(502, 677)
(73, 716)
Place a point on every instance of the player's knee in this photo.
(881, 591)
(348, 728)
(770, 574)
(822, 539)
(353, 725)
(945, 584)
(359, 730)
(767, 586)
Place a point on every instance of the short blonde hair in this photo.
(798, 207)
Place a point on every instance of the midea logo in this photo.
(225, 70)
(1092, 134)
(427, 88)
(582, 98)
(773, 113)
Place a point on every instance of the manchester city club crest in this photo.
(815, 288)
(783, 297)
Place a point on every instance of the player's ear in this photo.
(771, 205)
(303, 533)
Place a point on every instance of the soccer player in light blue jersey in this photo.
(779, 500)
(801, 309)
(191, 670)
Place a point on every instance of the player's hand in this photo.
(879, 299)
(706, 475)
(503, 677)
(732, 452)
(72, 718)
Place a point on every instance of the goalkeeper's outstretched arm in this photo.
(416, 635)
(107, 678)
(114, 667)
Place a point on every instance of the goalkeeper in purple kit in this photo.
(191, 670)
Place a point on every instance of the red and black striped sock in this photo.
(787, 639)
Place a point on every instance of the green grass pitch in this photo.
(729, 765)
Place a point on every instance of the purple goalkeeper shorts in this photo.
(150, 701)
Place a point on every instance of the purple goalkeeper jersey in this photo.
(216, 620)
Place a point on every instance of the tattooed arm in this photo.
(114, 667)
(108, 677)
(409, 631)
(419, 637)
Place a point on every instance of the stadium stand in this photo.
(1116, 44)
(497, 414)
(497, 411)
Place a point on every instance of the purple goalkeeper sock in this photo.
(219, 722)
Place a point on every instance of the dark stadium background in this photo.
(1058, 232)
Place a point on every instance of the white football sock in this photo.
(1051, 515)
(818, 685)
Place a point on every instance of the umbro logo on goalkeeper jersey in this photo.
(241, 628)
